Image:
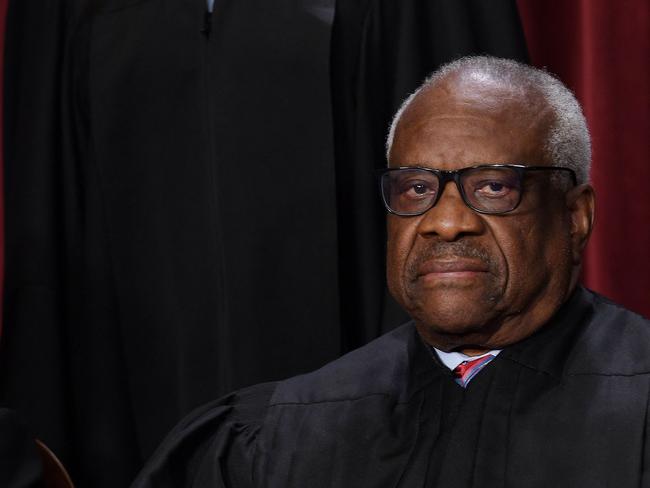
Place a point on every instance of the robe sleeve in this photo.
(214, 446)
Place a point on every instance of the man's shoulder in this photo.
(615, 341)
(378, 368)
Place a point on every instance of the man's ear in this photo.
(580, 203)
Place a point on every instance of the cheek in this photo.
(536, 252)
(401, 235)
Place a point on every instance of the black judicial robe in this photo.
(190, 201)
(20, 462)
(567, 407)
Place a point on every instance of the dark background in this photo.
(185, 215)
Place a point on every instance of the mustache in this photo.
(451, 250)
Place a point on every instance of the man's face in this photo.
(475, 281)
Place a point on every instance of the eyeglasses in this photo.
(487, 189)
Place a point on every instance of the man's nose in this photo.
(450, 218)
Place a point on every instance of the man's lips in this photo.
(456, 267)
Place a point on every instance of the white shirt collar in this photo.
(453, 359)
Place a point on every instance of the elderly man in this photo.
(510, 373)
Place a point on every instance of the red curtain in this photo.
(601, 49)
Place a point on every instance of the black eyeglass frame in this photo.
(445, 176)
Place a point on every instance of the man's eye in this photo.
(492, 189)
(420, 189)
(416, 189)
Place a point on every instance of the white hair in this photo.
(568, 143)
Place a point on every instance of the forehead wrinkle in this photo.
(525, 122)
(507, 108)
(431, 124)
(424, 138)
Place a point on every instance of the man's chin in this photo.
(457, 335)
(456, 310)
(444, 326)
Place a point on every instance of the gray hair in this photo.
(568, 143)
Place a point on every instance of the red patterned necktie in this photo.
(466, 370)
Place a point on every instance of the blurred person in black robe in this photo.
(509, 374)
(178, 191)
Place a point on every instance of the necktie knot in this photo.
(466, 370)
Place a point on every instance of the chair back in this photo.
(54, 474)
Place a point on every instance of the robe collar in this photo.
(547, 350)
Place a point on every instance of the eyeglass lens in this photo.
(489, 190)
